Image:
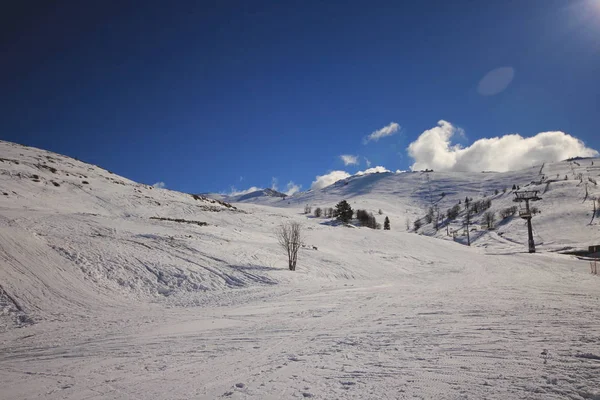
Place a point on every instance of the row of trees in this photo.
(323, 212)
(343, 212)
(367, 219)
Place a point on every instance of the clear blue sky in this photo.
(199, 94)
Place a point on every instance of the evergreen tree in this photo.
(386, 224)
(343, 212)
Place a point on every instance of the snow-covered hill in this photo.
(564, 222)
(261, 196)
(114, 289)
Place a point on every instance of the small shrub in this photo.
(56, 184)
(429, 216)
(417, 224)
(508, 212)
(85, 182)
(453, 212)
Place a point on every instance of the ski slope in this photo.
(105, 295)
(565, 222)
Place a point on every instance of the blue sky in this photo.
(204, 96)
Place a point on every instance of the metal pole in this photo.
(531, 242)
(530, 229)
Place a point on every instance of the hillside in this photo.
(114, 289)
(563, 223)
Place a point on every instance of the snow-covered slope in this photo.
(114, 289)
(262, 196)
(564, 222)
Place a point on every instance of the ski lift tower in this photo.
(527, 196)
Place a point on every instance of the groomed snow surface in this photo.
(115, 290)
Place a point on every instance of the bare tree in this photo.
(453, 212)
(318, 212)
(490, 218)
(429, 215)
(417, 224)
(290, 239)
(407, 224)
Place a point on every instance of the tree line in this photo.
(344, 213)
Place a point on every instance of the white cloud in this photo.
(322, 181)
(292, 188)
(400, 171)
(349, 159)
(235, 192)
(433, 149)
(388, 130)
(367, 162)
(159, 185)
(373, 170)
(274, 182)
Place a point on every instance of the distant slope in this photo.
(563, 224)
(262, 196)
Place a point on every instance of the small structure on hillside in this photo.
(526, 196)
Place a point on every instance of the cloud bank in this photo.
(159, 185)
(433, 149)
(292, 188)
(349, 159)
(388, 130)
(322, 181)
(373, 170)
(235, 192)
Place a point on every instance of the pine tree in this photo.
(386, 224)
(343, 212)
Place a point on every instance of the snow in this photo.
(99, 301)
